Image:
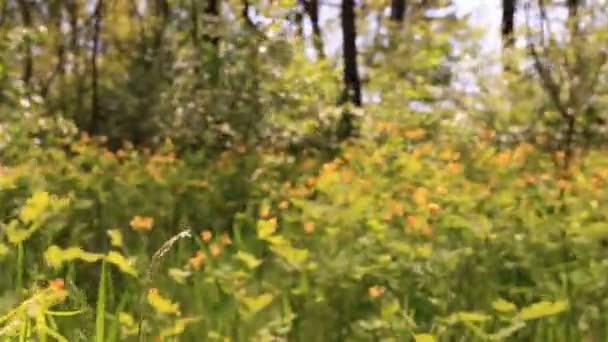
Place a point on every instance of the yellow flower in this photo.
(142, 223)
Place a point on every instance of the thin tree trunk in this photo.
(73, 11)
(213, 11)
(312, 9)
(95, 110)
(573, 7)
(352, 83)
(245, 14)
(194, 19)
(398, 9)
(508, 19)
(28, 62)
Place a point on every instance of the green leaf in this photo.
(542, 309)
(257, 303)
(248, 259)
(100, 312)
(467, 317)
(115, 237)
(124, 265)
(424, 338)
(35, 206)
(266, 228)
(294, 256)
(502, 305)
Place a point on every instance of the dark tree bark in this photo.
(28, 61)
(352, 83)
(573, 7)
(245, 14)
(508, 19)
(212, 10)
(312, 10)
(95, 110)
(194, 21)
(398, 9)
(73, 9)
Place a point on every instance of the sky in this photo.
(484, 14)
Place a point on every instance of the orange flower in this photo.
(330, 167)
(309, 227)
(215, 250)
(434, 208)
(411, 220)
(376, 291)
(530, 179)
(225, 240)
(264, 211)
(85, 138)
(206, 235)
(142, 223)
(421, 196)
(311, 181)
(197, 260)
(56, 285)
(284, 205)
(426, 230)
(503, 158)
(108, 155)
(396, 208)
(415, 134)
(347, 176)
(242, 148)
(152, 291)
(454, 168)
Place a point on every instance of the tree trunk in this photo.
(312, 9)
(212, 10)
(352, 83)
(573, 15)
(95, 110)
(573, 7)
(508, 19)
(398, 9)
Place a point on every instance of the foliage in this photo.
(213, 200)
